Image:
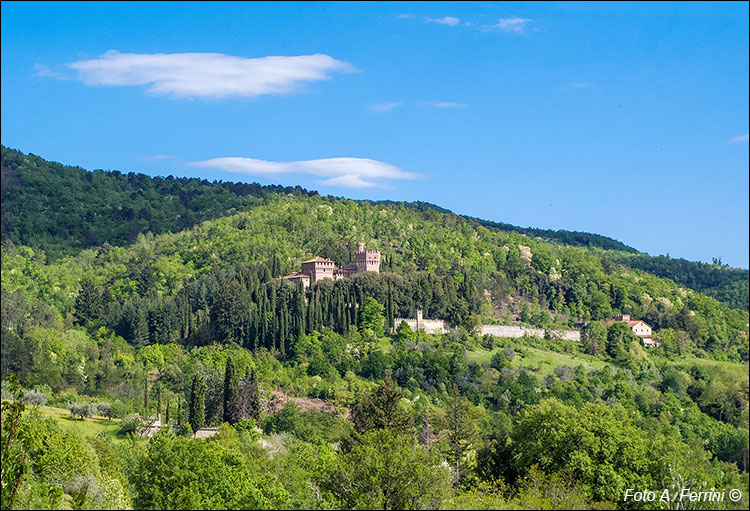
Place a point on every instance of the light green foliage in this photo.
(180, 473)
(384, 471)
(597, 443)
(371, 316)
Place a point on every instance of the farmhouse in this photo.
(639, 328)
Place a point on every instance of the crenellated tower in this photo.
(367, 260)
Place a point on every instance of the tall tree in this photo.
(197, 416)
(231, 402)
(461, 433)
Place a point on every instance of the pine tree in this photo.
(197, 417)
(179, 410)
(231, 408)
(166, 417)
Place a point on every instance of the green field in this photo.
(91, 426)
(543, 360)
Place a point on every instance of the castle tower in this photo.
(318, 268)
(367, 260)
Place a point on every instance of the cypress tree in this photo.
(197, 417)
(254, 396)
(166, 418)
(158, 401)
(231, 412)
(179, 410)
(145, 391)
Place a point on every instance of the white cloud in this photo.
(515, 25)
(443, 104)
(44, 71)
(447, 20)
(739, 138)
(207, 75)
(581, 85)
(342, 172)
(157, 157)
(404, 16)
(385, 107)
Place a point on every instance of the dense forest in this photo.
(62, 210)
(320, 398)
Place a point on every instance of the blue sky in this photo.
(623, 119)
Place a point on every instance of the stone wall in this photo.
(430, 326)
(520, 331)
(440, 326)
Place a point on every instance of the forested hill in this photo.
(63, 209)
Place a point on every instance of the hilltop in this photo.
(63, 210)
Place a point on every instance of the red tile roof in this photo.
(318, 260)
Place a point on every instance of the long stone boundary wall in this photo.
(440, 326)
(520, 331)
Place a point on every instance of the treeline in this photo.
(728, 285)
(64, 209)
(245, 306)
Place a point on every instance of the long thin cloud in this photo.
(385, 107)
(739, 138)
(343, 172)
(207, 75)
(446, 20)
(514, 25)
(443, 104)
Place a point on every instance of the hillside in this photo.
(194, 326)
(63, 210)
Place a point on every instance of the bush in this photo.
(132, 424)
(118, 410)
(82, 410)
(104, 409)
(34, 398)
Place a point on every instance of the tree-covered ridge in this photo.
(64, 209)
(431, 261)
(728, 285)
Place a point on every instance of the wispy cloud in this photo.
(342, 172)
(443, 104)
(447, 20)
(404, 16)
(738, 139)
(46, 72)
(385, 107)
(207, 75)
(581, 85)
(158, 157)
(513, 25)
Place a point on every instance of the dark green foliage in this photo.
(231, 396)
(11, 446)
(381, 410)
(65, 209)
(197, 413)
(728, 285)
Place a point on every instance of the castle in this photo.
(320, 268)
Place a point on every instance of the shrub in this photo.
(82, 410)
(35, 398)
(132, 424)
